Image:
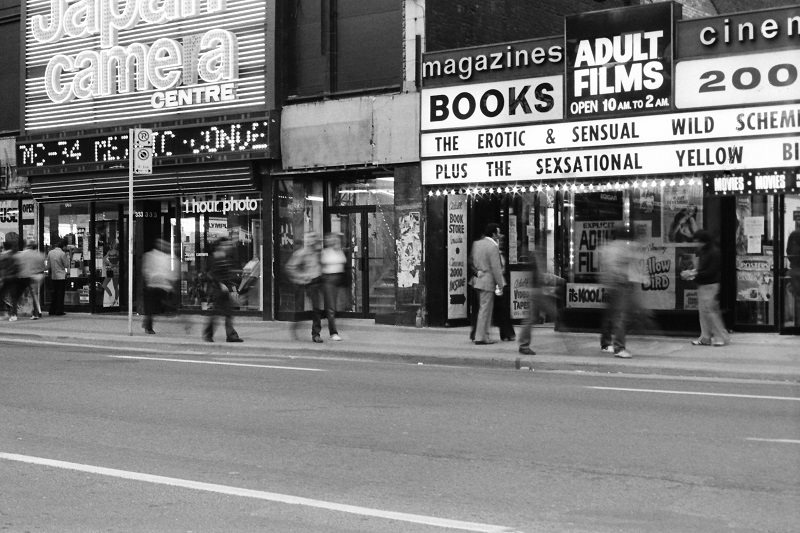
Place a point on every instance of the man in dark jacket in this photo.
(707, 277)
(222, 279)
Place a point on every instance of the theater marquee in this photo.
(108, 61)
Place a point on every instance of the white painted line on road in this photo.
(693, 393)
(780, 441)
(221, 363)
(260, 495)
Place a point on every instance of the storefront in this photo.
(358, 179)
(561, 161)
(200, 75)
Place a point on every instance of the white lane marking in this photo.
(257, 494)
(221, 363)
(780, 441)
(693, 393)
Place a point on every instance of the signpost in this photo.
(140, 152)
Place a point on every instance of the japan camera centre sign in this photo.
(111, 61)
(619, 61)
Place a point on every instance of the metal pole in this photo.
(130, 231)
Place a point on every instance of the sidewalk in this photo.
(752, 356)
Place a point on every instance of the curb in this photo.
(348, 352)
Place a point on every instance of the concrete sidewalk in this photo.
(749, 356)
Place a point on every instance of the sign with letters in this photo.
(117, 61)
(619, 61)
(457, 242)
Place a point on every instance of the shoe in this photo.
(316, 338)
(715, 343)
(234, 339)
(607, 349)
(484, 342)
(508, 339)
(526, 351)
(34, 317)
(208, 338)
(335, 337)
(12, 318)
(150, 331)
(701, 342)
(623, 354)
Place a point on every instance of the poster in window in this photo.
(754, 278)
(646, 207)
(657, 270)
(682, 213)
(590, 236)
(409, 250)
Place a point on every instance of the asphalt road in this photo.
(115, 441)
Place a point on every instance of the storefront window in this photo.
(298, 210)
(790, 281)
(108, 257)
(204, 220)
(70, 221)
(663, 216)
(754, 259)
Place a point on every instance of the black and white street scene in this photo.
(400, 266)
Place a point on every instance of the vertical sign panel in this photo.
(456, 257)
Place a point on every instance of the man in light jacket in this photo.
(59, 264)
(487, 280)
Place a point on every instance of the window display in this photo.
(204, 221)
(663, 216)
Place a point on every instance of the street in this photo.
(102, 440)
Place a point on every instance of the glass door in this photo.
(109, 260)
(755, 261)
(355, 245)
(790, 271)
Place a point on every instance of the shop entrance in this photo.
(789, 287)
(364, 285)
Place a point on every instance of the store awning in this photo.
(164, 182)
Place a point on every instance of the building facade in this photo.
(633, 118)
(275, 119)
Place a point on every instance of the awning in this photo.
(164, 182)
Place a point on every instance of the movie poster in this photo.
(409, 250)
(682, 213)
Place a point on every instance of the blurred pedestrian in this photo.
(31, 263)
(9, 279)
(793, 257)
(304, 269)
(160, 278)
(333, 262)
(58, 263)
(487, 279)
(707, 278)
(532, 314)
(617, 258)
(221, 281)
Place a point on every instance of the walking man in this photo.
(221, 273)
(487, 280)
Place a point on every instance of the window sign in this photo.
(101, 62)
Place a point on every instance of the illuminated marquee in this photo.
(142, 58)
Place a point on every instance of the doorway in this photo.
(789, 271)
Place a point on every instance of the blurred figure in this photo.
(31, 263)
(532, 315)
(304, 269)
(9, 285)
(617, 261)
(59, 264)
(159, 283)
(111, 268)
(222, 279)
(487, 280)
(333, 262)
(707, 277)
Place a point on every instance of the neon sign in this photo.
(142, 58)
